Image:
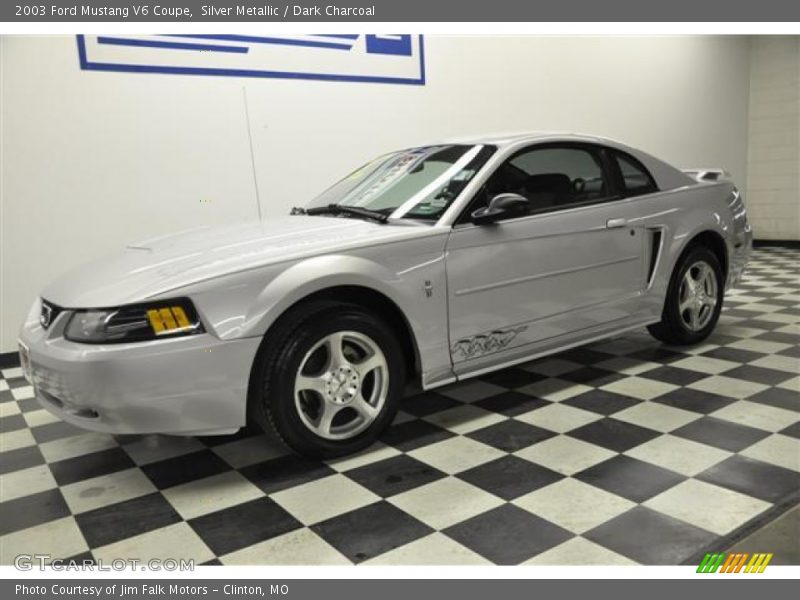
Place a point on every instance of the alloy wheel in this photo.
(698, 296)
(341, 385)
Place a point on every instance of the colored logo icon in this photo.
(734, 562)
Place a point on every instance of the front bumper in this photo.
(188, 385)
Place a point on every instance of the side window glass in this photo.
(551, 178)
(635, 177)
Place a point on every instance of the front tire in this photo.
(694, 299)
(328, 379)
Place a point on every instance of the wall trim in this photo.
(9, 360)
(776, 243)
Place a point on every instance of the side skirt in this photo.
(542, 353)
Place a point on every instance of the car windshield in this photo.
(419, 183)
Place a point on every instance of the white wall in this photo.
(92, 160)
(773, 161)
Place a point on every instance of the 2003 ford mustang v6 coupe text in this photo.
(427, 265)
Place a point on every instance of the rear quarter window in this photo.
(635, 177)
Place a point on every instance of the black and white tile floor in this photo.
(622, 452)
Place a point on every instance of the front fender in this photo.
(316, 274)
(416, 285)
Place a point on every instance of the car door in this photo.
(570, 268)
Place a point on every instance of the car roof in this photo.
(667, 177)
(503, 139)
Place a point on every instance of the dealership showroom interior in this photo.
(351, 299)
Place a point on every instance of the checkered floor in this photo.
(621, 452)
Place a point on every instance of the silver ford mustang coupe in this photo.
(425, 266)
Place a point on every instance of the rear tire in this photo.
(327, 379)
(694, 299)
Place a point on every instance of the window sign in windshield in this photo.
(436, 196)
(417, 184)
(378, 189)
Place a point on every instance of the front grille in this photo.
(48, 314)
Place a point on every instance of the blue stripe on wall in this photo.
(171, 45)
(270, 40)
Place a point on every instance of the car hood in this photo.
(155, 266)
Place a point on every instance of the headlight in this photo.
(135, 323)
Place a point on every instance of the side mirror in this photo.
(502, 206)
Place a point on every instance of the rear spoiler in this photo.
(708, 175)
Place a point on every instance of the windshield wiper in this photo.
(341, 209)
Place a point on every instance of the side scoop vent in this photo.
(655, 251)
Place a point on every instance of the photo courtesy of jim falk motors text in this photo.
(125, 590)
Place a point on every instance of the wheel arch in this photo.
(713, 241)
(669, 329)
(374, 301)
(361, 295)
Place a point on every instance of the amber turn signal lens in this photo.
(170, 319)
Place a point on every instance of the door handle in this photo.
(615, 223)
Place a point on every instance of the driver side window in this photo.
(550, 177)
